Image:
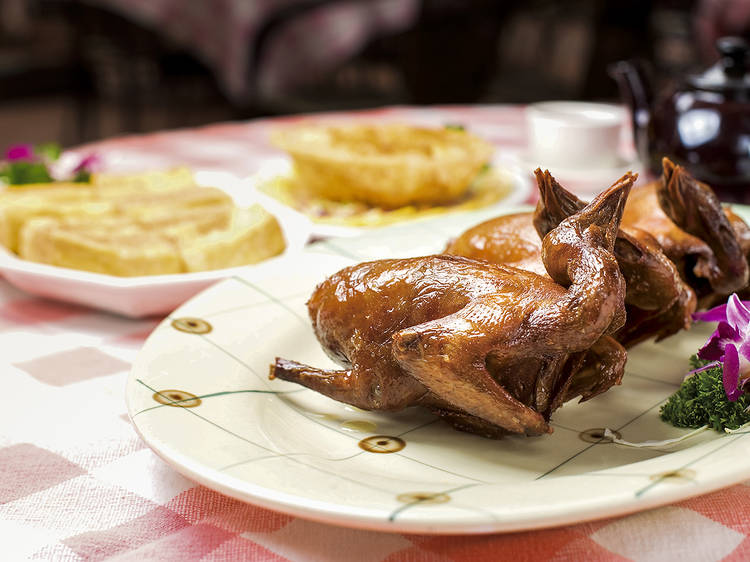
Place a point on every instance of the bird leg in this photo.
(356, 386)
(603, 367)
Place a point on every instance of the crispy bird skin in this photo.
(490, 348)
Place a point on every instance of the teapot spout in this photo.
(636, 92)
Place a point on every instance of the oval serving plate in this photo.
(200, 397)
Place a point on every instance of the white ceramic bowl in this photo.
(573, 134)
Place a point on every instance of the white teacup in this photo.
(572, 134)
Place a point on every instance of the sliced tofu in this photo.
(145, 224)
(155, 181)
(15, 212)
(253, 236)
(107, 247)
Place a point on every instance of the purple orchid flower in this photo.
(87, 163)
(730, 342)
(19, 152)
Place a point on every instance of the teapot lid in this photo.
(730, 72)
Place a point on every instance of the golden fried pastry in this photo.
(490, 186)
(387, 165)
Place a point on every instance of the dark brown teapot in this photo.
(703, 123)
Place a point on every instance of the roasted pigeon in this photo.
(658, 302)
(707, 243)
(490, 348)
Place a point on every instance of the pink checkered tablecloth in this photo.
(76, 482)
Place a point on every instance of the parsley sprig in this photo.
(701, 400)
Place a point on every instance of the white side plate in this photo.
(146, 295)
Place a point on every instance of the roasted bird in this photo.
(707, 243)
(490, 348)
(658, 302)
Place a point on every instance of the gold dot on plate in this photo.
(680, 475)
(382, 444)
(362, 426)
(423, 497)
(596, 435)
(191, 325)
(178, 398)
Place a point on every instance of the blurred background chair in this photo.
(75, 71)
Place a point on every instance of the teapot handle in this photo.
(734, 51)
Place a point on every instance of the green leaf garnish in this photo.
(20, 172)
(49, 151)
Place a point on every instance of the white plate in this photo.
(146, 295)
(276, 445)
(520, 191)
